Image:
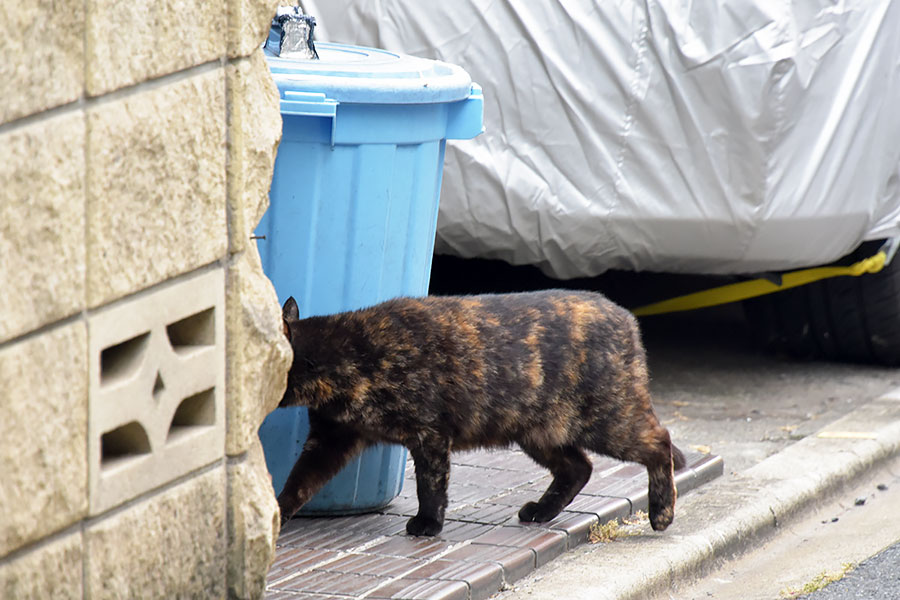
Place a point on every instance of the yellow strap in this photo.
(759, 287)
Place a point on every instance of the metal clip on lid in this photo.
(291, 34)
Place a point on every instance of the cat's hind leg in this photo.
(652, 447)
(571, 469)
(328, 448)
(431, 457)
(661, 492)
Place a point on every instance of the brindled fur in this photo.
(556, 372)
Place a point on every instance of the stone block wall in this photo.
(140, 342)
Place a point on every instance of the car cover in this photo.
(702, 136)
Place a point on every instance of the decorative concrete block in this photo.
(52, 569)
(156, 185)
(248, 24)
(171, 545)
(157, 388)
(253, 524)
(42, 45)
(259, 355)
(130, 42)
(254, 130)
(43, 430)
(42, 171)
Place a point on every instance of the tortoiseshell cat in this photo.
(556, 372)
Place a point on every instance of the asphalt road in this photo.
(877, 578)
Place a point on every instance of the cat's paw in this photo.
(535, 512)
(284, 520)
(661, 518)
(287, 511)
(420, 525)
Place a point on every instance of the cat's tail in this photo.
(678, 458)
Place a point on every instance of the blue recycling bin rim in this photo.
(357, 74)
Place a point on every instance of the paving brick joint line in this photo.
(483, 547)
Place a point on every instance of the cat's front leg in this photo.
(328, 448)
(431, 456)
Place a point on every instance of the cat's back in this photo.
(546, 318)
(553, 301)
(575, 305)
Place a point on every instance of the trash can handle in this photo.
(466, 117)
(310, 104)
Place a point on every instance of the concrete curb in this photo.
(727, 517)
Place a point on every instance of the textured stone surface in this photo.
(156, 388)
(101, 202)
(129, 42)
(258, 354)
(43, 429)
(253, 524)
(50, 570)
(171, 545)
(41, 42)
(254, 129)
(41, 222)
(156, 185)
(248, 24)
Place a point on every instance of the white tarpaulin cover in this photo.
(704, 136)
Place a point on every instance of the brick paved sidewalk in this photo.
(483, 545)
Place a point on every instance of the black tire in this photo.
(853, 319)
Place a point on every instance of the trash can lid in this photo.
(369, 75)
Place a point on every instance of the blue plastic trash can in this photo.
(354, 204)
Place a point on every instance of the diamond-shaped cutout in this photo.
(158, 386)
(174, 345)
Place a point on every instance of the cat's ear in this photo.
(290, 310)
